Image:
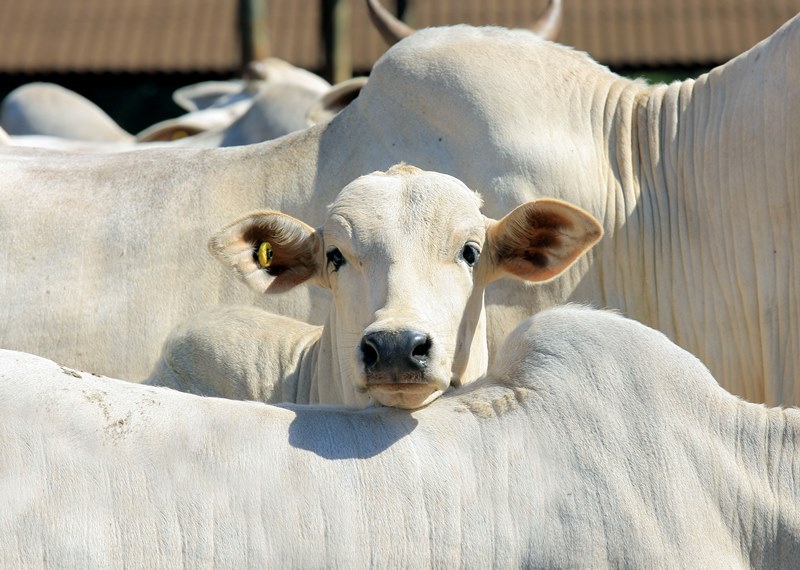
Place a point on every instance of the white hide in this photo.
(51, 110)
(693, 182)
(595, 442)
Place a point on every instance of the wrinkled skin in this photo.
(693, 182)
(593, 442)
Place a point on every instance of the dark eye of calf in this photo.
(470, 253)
(335, 258)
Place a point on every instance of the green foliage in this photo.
(664, 75)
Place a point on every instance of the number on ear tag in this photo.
(265, 254)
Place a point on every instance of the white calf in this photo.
(407, 256)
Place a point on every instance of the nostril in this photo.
(395, 351)
(422, 349)
(369, 353)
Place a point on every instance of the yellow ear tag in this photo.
(265, 254)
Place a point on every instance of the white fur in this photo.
(48, 109)
(593, 442)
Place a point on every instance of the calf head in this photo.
(407, 255)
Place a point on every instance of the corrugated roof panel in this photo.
(514, 14)
(715, 35)
(294, 30)
(119, 35)
(368, 45)
(203, 35)
(669, 32)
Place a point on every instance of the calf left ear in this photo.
(540, 239)
(270, 251)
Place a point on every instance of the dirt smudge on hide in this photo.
(116, 427)
(497, 406)
(70, 372)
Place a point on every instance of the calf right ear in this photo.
(268, 250)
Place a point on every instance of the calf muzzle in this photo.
(395, 357)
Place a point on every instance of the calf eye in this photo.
(470, 253)
(335, 258)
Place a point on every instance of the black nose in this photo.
(400, 351)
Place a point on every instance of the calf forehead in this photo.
(405, 202)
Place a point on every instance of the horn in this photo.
(548, 24)
(392, 29)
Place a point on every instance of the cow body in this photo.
(593, 442)
(692, 183)
(274, 101)
(51, 110)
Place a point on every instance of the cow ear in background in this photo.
(203, 95)
(268, 250)
(540, 239)
(337, 98)
(170, 130)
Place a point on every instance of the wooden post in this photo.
(402, 6)
(260, 29)
(405, 13)
(335, 22)
(254, 26)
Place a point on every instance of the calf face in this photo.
(407, 255)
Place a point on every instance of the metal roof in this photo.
(40, 36)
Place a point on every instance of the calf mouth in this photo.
(397, 377)
(401, 368)
(406, 396)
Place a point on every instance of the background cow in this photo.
(275, 100)
(51, 110)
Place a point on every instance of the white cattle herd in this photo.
(276, 99)
(449, 204)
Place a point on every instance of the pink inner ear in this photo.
(534, 266)
(342, 100)
(293, 244)
(544, 218)
(538, 241)
(288, 278)
(170, 134)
